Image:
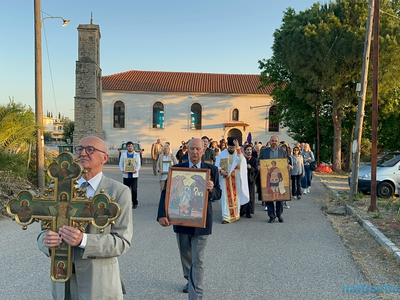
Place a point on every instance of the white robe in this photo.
(242, 188)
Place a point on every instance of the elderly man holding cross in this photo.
(96, 273)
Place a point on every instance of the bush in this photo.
(365, 154)
(15, 163)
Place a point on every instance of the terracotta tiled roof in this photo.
(154, 81)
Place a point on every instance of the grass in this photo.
(377, 215)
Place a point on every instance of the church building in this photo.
(142, 106)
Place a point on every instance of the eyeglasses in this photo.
(295, 149)
(89, 149)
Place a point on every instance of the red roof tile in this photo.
(154, 81)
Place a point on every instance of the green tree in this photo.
(17, 137)
(47, 136)
(68, 129)
(317, 55)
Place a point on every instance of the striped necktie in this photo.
(194, 167)
(84, 184)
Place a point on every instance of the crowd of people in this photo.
(234, 180)
(235, 177)
(299, 159)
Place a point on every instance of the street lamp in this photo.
(39, 92)
(65, 22)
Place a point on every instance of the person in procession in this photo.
(95, 254)
(166, 156)
(131, 178)
(232, 168)
(192, 241)
(252, 174)
(308, 158)
(274, 207)
(296, 167)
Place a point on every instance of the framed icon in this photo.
(224, 164)
(275, 184)
(186, 196)
(129, 164)
(165, 166)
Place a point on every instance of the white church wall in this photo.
(216, 110)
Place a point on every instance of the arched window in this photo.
(273, 125)
(119, 114)
(235, 115)
(195, 116)
(158, 115)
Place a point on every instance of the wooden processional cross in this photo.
(63, 204)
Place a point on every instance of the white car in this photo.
(387, 176)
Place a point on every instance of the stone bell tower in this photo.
(88, 100)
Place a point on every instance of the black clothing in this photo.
(252, 175)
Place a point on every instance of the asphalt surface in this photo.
(302, 258)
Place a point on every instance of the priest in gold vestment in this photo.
(232, 169)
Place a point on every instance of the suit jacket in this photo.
(184, 158)
(266, 154)
(156, 150)
(215, 194)
(208, 155)
(96, 267)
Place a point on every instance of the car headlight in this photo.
(366, 176)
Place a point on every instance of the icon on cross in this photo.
(63, 203)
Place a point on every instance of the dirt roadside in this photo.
(377, 263)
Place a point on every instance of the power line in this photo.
(389, 14)
(51, 72)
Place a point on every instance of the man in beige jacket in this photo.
(156, 150)
(96, 273)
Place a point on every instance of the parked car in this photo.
(387, 176)
(136, 147)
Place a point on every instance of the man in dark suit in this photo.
(192, 240)
(267, 153)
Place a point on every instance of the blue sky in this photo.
(207, 36)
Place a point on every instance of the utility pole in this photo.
(317, 118)
(375, 92)
(39, 92)
(39, 97)
(361, 103)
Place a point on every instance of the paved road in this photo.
(303, 258)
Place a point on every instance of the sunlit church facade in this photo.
(142, 106)
(176, 106)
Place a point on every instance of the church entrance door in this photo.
(237, 134)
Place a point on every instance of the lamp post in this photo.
(39, 92)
